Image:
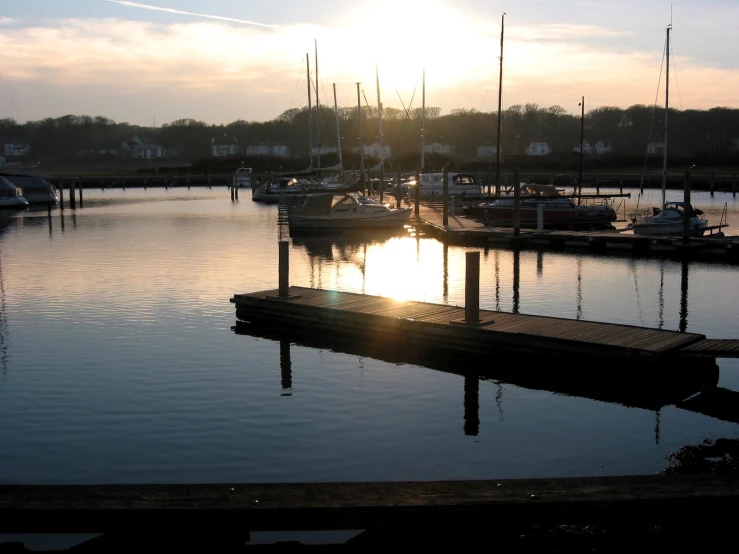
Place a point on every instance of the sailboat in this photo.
(669, 218)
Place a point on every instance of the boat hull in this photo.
(552, 218)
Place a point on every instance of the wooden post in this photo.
(597, 184)
(417, 192)
(733, 185)
(284, 268)
(236, 194)
(621, 183)
(61, 194)
(232, 193)
(445, 195)
(472, 288)
(80, 196)
(72, 203)
(397, 189)
(540, 217)
(686, 200)
(382, 182)
(516, 203)
(713, 182)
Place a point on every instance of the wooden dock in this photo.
(466, 231)
(442, 327)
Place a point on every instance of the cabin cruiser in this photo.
(460, 185)
(11, 196)
(345, 211)
(36, 189)
(669, 221)
(242, 177)
(558, 211)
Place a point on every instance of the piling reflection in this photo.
(593, 378)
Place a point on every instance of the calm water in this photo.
(120, 363)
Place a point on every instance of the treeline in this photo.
(710, 135)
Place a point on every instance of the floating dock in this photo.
(438, 327)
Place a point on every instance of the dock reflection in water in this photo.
(649, 388)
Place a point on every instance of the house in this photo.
(375, 150)
(598, 148)
(488, 150)
(538, 149)
(324, 150)
(224, 146)
(15, 148)
(438, 148)
(144, 147)
(277, 150)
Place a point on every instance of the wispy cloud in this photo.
(181, 12)
(563, 32)
(6, 20)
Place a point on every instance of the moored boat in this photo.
(345, 211)
(242, 177)
(558, 211)
(11, 196)
(36, 189)
(460, 185)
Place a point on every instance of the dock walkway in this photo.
(442, 327)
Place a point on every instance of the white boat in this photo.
(241, 177)
(36, 189)
(461, 186)
(345, 211)
(11, 196)
(669, 218)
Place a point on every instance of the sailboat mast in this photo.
(500, 103)
(423, 120)
(361, 136)
(310, 110)
(379, 118)
(667, 109)
(338, 132)
(318, 116)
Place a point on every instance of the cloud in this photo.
(180, 12)
(6, 20)
(560, 32)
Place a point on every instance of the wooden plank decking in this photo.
(431, 326)
(229, 507)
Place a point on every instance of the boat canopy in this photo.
(545, 191)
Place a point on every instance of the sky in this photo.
(156, 61)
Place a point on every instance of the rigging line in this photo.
(674, 72)
(407, 113)
(651, 125)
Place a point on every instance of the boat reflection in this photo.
(593, 378)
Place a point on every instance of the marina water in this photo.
(120, 364)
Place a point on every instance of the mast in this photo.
(361, 137)
(379, 118)
(318, 117)
(667, 108)
(423, 120)
(500, 102)
(310, 124)
(338, 132)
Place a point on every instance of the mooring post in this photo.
(540, 217)
(597, 184)
(452, 205)
(686, 207)
(516, 203)
(284, 268)
(72, 203)
(733, 185)
(81, 196)
(232, 193)
(382, 182)
(61, 194)
(397, 189)
(472, 288)
(417, 192)
(445, 196)
(236, 194)
(713, 182)
(621, 183)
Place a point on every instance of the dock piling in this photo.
(516, 203)
(284, 268)
(445, 195)
(72, 203)
(540, 217)
(472, 288)
(417, 193)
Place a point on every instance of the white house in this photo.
(488, 151)
(15, 148)
(278, 150)
(146, 148)
(538, 149)
(376, 150)
(438, 148)
(324, 150)
(597, 148)
(224, 146)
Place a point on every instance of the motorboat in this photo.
(36, 189)
(242, 177)
(11, 196)
(558, 211)
(460, 185)
(670, 220)
(325, 211)
(288, 190)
